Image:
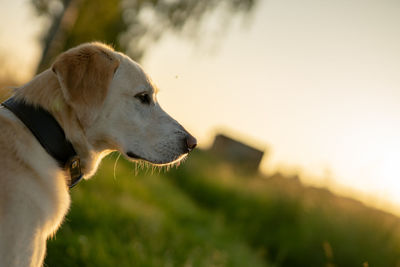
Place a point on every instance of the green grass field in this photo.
(205, 213)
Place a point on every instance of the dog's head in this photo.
(115, 102)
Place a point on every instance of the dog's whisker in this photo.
(136, 169)
(115, 166)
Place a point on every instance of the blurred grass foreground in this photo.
(207, 213)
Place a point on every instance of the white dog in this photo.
(59, 126)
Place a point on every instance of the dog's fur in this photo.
(99, 97)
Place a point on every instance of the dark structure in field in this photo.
(239, 154)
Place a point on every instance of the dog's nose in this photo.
(191, 142)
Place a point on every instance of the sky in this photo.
(315, 83)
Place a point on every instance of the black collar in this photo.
(50, 135)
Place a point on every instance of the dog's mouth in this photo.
(133, 156)
(171, 161)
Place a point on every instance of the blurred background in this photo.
(295, 105)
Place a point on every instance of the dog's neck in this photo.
(45, 91)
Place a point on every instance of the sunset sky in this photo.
(315, 82)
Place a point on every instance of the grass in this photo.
(207, 213)
(142, 221)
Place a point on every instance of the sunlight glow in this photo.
(321, 93)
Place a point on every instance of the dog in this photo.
(92, 101)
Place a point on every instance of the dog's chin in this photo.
(134, 157)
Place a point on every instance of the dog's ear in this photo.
(84, 74)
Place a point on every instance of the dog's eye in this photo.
(144, 98)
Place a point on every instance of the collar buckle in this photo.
(75, 172)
